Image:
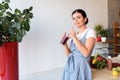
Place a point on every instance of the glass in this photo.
(64, 39)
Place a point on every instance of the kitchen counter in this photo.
(105, 74)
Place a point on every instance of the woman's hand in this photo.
(64, 43)
(73, 33)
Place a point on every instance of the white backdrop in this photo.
(40, 49)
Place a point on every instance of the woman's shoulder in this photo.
(90, 30)
(91, 33)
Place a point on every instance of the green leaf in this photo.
(19, 38)
(1, 6)
(31, 8)
(13, 24)
(11, 31)
(4, 27)
(25, 11)
(9, 18)
(9, 13)
(17, 11)
(23, 32)
(19, 31)
(18, 25)
(1, 13)
(26, 26)
(17, 18)
(13, 36)
(6, 6)
(31, 15)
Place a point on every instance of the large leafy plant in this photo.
(14, 24)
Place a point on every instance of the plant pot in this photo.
(103, 39)
(9, 61)
(98, 39)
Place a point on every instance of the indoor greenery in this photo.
(14, 24)
(104, 32)
(97, 61)
(98, 28)
(100, 31)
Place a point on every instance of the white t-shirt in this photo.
(90, 33)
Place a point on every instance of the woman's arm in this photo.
(65, 45)
(66, 49)
(86, 48)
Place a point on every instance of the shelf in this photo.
(108, 41)
(116, 39)
(115, 36)
(117, 27)
(116, 52)
(116, 44)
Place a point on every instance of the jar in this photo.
(64, 39)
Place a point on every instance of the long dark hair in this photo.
(81, 12)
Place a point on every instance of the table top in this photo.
(105, 74)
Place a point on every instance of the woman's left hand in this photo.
(73, 33)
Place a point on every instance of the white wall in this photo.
(40, 49)
(113, 11)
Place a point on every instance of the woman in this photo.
(79, 52)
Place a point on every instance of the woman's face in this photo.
(78, 19)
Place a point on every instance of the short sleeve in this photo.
(91, 33)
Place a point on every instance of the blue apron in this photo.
(77, 67)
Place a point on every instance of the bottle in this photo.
(109, 65)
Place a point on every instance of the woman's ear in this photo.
(85, 20)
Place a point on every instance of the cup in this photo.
(64, 39)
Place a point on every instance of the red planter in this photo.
(9, 61)
(98, 39)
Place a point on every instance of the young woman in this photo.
(80, 49)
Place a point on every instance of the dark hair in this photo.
(82, 12)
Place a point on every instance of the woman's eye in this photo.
(78, 17)
(75, 18)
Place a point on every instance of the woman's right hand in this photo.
(64, 43)
(73, 33)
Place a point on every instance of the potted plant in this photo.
(97, 29)
(13, 27)
(104, 33)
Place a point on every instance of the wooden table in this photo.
(105, 74)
